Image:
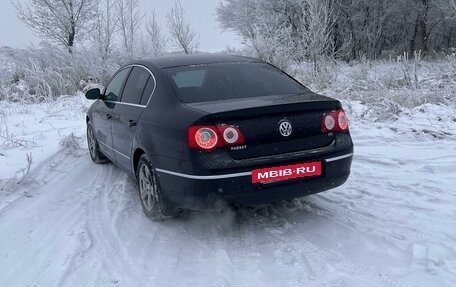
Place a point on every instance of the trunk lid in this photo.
(260, 120)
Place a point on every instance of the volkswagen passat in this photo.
(196, 130)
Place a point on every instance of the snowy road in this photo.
(392, 224)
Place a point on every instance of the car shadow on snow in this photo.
(275, 217)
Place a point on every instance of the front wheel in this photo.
(152, 201)
(94, 149)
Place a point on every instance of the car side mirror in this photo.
(93, 94)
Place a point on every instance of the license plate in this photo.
(275, 174)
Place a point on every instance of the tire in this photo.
(94, 149)
(152, 201)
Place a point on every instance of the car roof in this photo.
(199, 59)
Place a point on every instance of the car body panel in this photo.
(101, 111)
(203, 193)
(124, 122)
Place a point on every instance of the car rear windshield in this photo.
(216, 82)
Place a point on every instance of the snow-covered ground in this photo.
(38, 131)
(70, 222)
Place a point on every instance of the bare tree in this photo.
(239, 16)
(315, 29)
(419, 39)
(60, 21)
(341, 28)
(449, 6)
(281, 30)
(128, 19)
(153, 42)
(182, 36)
(103, 34)
(272, 43)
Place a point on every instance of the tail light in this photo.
(342, 120)
(335, 121)
(231, 135)
(208, 138)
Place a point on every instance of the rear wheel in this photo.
(94, 149)
(152, 201)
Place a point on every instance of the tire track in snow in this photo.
(81, 256)
(51, 217)
(39, 176)
(43, 260)
(237, 252)
(84, 251)
(328, 257)
(242, 249)
(261, 225)
(277, 230)
(100, 224)
(323, 206)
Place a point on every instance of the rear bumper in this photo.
(203, 192)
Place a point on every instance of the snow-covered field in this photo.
(70, 222)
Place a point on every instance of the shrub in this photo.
(36, 75)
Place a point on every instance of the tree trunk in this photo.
(412, 45)
(335, 38)
(71, 36)
(351, 29)
(353, 39)
(424, 8)
(72, 32)
(450, 35)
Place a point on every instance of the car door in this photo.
(126, 114)
(102, 113)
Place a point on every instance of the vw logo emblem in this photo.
(285, 128)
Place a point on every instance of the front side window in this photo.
(114, 87)
(227, 81)
(135, 85)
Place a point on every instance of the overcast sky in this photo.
(200, 14)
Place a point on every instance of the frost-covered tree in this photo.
(284, 29)
(103, 34)
(59, 21)
(306, 29)
(128, 20)
(359, 27)
(449, 6)
(181, 35)
(153, 42)
(313, 29)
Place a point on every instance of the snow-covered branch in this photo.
(181, 35)
(128, 20)
(61, 22)
(153, 42)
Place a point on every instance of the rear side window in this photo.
(150, 87)
(216, 82)
(114, 87)
(135, 85)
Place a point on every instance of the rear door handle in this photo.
(131, 123)
(108, 116)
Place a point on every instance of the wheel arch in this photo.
(136, 156)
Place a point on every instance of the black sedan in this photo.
(198, 130)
